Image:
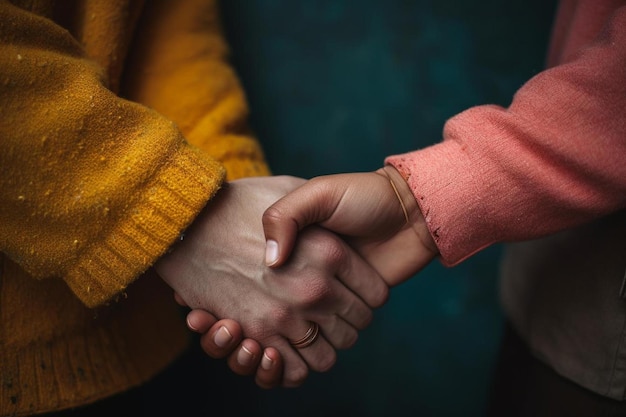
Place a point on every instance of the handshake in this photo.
(280, 272)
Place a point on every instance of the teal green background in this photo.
(335, 86)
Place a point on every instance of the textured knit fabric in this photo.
(553, 161)
(118, 122)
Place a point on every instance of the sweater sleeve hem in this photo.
(169, 203)
(440, 176)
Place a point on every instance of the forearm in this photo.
(94, 188)
(552, 160)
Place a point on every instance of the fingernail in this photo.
(244, 357)
(222, 337)
(191, 326)
(266, 362)
(271, 252)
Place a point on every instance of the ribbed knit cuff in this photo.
(450, 197)
(170, 202)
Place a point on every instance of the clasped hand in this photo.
(254, 260)
(220, 267)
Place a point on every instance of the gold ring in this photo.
(308, 339)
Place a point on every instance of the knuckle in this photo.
(272, 215)
(366, 318)
(281, 314)
(316, 182)
(332, 252)
(380, 297)
(296, 377)
(313, 292)
(350, 340)
(326, 363)
(360, 315)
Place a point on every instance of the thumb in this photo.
(311, 203)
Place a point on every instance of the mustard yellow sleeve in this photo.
(179, 66)
(93, 188)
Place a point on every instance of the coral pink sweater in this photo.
(553, 159)
(550, 167)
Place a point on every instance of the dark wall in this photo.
(335, 86)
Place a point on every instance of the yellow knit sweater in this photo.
(118, 122)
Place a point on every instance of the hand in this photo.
(219, 267)
(223, 338)
(363, 207)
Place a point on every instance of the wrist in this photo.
(168, 265)
(413, 214)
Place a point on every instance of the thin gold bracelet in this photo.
(395, 190)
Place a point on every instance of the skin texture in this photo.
(245, 356)
(362, 207)
(365, 209)
(219, 267)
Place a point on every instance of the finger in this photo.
(306, 205)
(357, 285)
(200, 321)
(246, 358)
(350, 315)
(362, 279)
(221, 339)
(339, 333)
(319, 355)
(270, 371)
(295, 369)
(352, 309)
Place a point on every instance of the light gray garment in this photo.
(565, 295)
